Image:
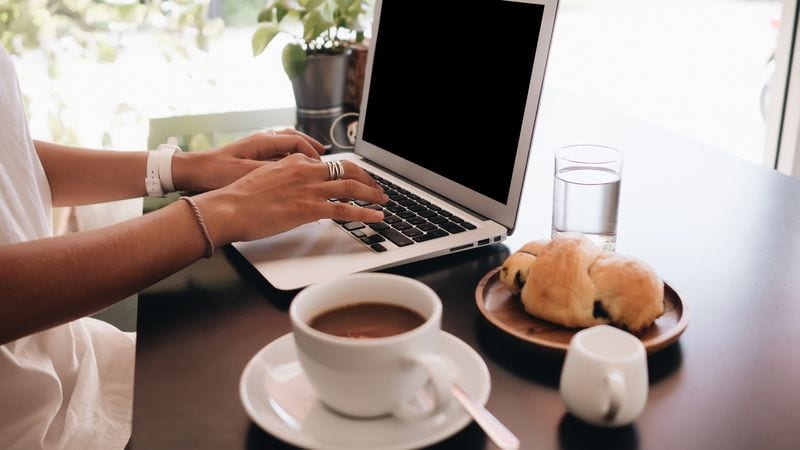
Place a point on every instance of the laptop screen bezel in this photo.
(505, 214)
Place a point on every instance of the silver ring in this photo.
(330, 170)
(335, 170)
(339, 170)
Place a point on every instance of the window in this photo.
(696, 67)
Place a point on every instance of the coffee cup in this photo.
(368, 344)
(604, 378)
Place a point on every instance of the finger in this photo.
(349, 212)
(353, 172)
(289, 143)
(353, 189)
(320, 149)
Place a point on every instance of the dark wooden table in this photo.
(723, 232)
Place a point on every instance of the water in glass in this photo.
(586, 199)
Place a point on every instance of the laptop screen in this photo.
(443, 96)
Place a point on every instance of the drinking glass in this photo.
(586, 192)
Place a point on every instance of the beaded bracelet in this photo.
(210, 252)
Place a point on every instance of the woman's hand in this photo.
(282, 195)
(204, 171)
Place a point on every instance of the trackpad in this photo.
(303, 255)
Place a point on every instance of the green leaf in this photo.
(359, 36)
(342, 4)
(281, 12)
(291, 5)
(263, 36)
(294, 60)
(354, 9)
(314, 25)
(314, 4)
(265, 15)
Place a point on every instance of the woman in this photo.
(66, 380)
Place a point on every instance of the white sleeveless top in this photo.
(69, 387)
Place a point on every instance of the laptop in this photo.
(448, 111)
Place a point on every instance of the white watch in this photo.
(152, 182)
(165, 154)
(159, 169)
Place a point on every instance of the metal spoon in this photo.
(497, 432)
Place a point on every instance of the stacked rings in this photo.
(335, 170)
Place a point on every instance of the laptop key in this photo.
(411, 232)
(358, 233)
(362, 202)
(401, 226)
(378, 226)
(468, 225)
(373, 239)
(406, 214)
(395, 208)
(451, 227)
(437, 233)
(396, 237)
(390, 219)
(427, 213)
(350, 226)
(378, 247)
(437, 219)
(426, 226)
(416, 220)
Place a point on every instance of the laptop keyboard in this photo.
(408, 219)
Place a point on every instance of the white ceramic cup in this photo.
(375, 376)
(604, 378)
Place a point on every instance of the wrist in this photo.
(219, 216)
(187, 169)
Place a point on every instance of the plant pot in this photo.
(357, 68)
(320, 90)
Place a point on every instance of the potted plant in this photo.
(316, 61)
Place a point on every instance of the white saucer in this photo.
(277, 396)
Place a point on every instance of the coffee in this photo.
(367, 320)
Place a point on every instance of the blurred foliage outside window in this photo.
(93, 71)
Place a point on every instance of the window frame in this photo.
(782, 146)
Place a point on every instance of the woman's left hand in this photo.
(213, 169)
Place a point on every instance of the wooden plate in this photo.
(505, 311)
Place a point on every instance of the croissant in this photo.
(571, 281)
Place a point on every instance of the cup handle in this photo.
(440, 380)
(616, 393)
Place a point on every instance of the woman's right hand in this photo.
(285, 194)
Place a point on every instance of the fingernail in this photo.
(378, 216)
(385, 197)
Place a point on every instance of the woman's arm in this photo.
(80, 176)
(47, 282)
(52, 281)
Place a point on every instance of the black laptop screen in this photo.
(449, 85)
